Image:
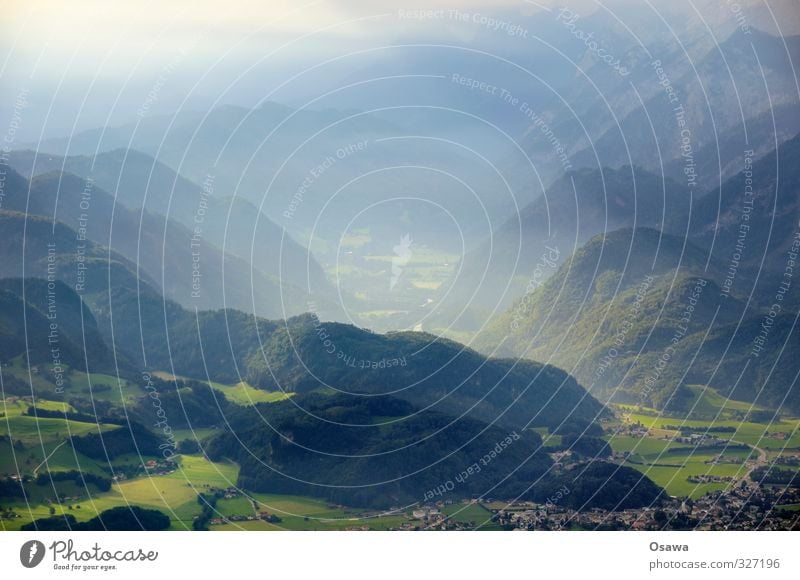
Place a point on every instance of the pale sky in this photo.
(101, 23)
(157, 29)
(41, 39)
(107, 44)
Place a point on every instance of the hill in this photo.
(182, 264)
(757, 209)
(528, 247)
(384, 453)
(139, 182)
(47, 324)
(649, 134)
(229, 346)
(636, 315)
(303, 355)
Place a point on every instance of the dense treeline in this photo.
(25, 324)
(81, 478)
(11, 488)
(72, 416)
(208, 505)
(379, 452)
(586, 445)
(777, 476)
(375, 452)
(599, 484)
(132, 438)
(118, 519)
(184, 403)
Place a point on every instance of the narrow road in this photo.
(49, 455)
(760, 462)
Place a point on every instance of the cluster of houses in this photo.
(265, 516)
(430, 517)
(640, 431)
(777, 435)
(706, 478)
(744, 507)
(699, 439)
(159, 467)
(228, 492)
(725, 459)
(233, 492)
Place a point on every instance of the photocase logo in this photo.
(31, 553)
(402, 254)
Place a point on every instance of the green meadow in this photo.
(241, 393)
(670, 463)
(473, 514)
(762, 435)
(175, 494)
(302, 513)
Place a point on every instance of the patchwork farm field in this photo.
(659, 450)
(782, 433)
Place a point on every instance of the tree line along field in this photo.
(33, 446)
(174, 493)
(763, 435)
(26, 441)
(240, 393)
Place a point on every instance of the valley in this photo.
(522, 267)
(700, 459)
